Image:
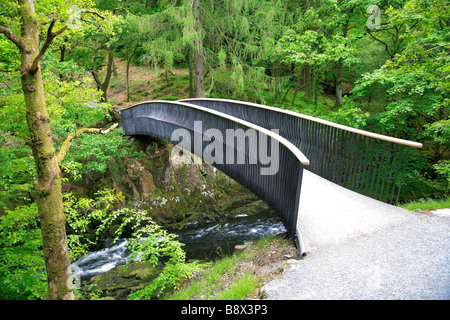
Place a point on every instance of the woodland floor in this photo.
(145, 84)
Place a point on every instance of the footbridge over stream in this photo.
(269, 151)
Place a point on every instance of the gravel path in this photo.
(358, 248)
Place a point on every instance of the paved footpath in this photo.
(358, 248)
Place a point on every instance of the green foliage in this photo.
(152, 243)
(147, 240)
(443, 168)
(81, 213)
(416, 83)
(263, 51)
(95, 152)
(70, 105)
(8, 56)
(349, 114)
(22, 266)
(17, 172)
(438, 132)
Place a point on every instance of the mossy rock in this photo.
(120, 281)
(252, 208)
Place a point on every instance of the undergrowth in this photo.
(241, 275)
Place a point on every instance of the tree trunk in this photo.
(62, 50)
(128, 79)
(298, 86)
(275, 75)
(49, 197)
(128, 69)
(307, 80)
(199, 55)
(339, 72)
(191, 75)
(314, 86)
(340, 68)
(109, 69)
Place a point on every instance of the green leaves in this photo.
(416, 81)
(147, 240)
(22, 262)
(156, 245)
(443, 168)
(99, 153)
(17, 171)
(350, 115)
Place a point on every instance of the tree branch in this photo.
(48, 41)
(66, 144)
(96, 79)
(385, 44)
(109, 67)
(438, 46)
(11, 36)
(93, 12)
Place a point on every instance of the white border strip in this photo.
(318, 120)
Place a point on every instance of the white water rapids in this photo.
(205, 242)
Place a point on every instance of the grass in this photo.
(241, 275)
(222, 281)
(427, 204)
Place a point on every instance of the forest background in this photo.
(378, 65)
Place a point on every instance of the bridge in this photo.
(266, 150)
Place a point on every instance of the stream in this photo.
(206, 242)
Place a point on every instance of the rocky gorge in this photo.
(192, 200)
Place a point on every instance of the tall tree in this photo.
(49, 197)
(198, 52)
(35, 18)
(93, 49)
(240, 38)
(321, 40)
(416, 83)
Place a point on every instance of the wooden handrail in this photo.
(318, 120)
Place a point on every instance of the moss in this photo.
(120, 281)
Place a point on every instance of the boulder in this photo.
(120, 281)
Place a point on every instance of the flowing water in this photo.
(206, 242)
(219, 238)
(98, 262)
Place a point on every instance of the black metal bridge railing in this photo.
(368, 163)
(280, 188)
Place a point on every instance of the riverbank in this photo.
(236, 276)
(241, 275)
(106, 274)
